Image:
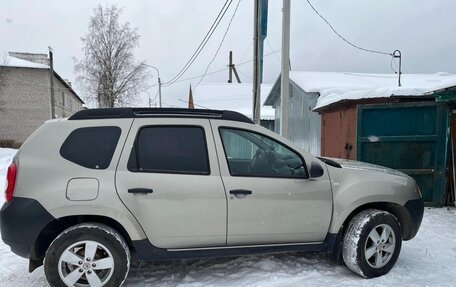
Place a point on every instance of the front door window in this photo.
(252, 154)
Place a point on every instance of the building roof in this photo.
(335, 87)
(9, 61)
(231, 96)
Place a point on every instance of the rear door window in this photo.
(91, 147)
(170, 149)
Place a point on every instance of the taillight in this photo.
(10, 181)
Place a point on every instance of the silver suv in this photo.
(85, 195)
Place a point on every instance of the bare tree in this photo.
(108, 73)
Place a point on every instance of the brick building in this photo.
(25, 96)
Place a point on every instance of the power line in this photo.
(194, 104)
(220, 45)
(246, 51)
(240, 71)
(265, 55)
(370, 76)
(218, 71)
(393, 61)
(203, 43)
(342, 37)
(272, 49)
(155, 98)
(196, 77)
(391, 65)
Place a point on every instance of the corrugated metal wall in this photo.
(304, 124)
(269, 124)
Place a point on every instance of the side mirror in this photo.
(316, 170)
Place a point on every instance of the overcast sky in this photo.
(171, 30)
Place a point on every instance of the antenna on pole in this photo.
(397, 54)
(232, 68)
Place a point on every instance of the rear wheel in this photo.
(87, 255)
(372, 243)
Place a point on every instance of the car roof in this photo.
(118, 113)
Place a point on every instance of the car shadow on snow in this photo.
(233, 271)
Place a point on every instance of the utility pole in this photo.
(230, 72)
(397, 54)
(285, 75)
(256, 63)
(51, 70)
(159, 84)
(232, 68)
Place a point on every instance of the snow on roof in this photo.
(334, 87)
(235, 97)
(8, 61)
(444, 85)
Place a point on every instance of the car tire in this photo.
(372, 243)
(68, 259)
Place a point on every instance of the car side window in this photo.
(91, 147)
(252, 154)
(170, 149)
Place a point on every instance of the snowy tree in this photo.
(108, 73)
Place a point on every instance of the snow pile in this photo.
(335, 87)
(235, 97)
(427, 260)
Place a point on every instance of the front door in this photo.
(271, 199)
(168, 177)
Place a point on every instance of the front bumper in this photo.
(21, 221)
(415, 209)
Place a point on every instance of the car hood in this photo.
(358, 165)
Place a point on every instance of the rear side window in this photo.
(170, 149)
(91, 147)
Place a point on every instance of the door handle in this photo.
(240, 192)
(140, 190)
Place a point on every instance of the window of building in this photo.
(252, 154)
(91, 147)
(170, 149)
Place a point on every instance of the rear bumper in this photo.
(21, 221)
(415, 209)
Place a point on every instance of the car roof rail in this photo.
(119, 113)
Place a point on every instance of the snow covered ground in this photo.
(427, 260)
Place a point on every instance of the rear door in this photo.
(168, 177)
(271, 199)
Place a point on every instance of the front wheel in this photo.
(87, 255)
(372, 243)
